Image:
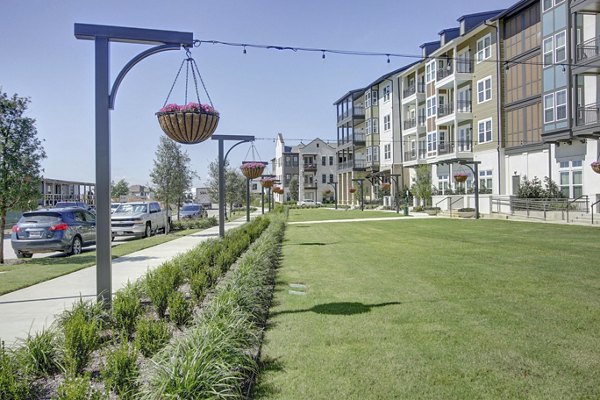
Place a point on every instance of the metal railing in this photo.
(445, 109)
(464, 66)
(409, 91)
(410, 123)
(463, 106)
(445, 148)
(580, 204)
(540, 208)
(588, 114)
(587, 49)
(592, 208)
(410, 155)
(444, 72)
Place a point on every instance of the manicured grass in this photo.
(435, 308)
(320, 214)
(30, 272)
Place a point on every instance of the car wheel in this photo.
(21, 254)
(148, 231)
(75, 246)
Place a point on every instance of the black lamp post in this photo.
(334, 192)
(475, 170)
(362, 193)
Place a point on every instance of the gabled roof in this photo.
(515, 8)
(471, 21)
(350, 93)
(430, 47)
(386, 76)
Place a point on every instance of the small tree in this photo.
(21, 153)
(293, 188)
(421, 187)
(235, 184)
(119, 189)
(171, 175)
(533, 189)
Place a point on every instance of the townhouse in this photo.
(286, 167)
(318, 170)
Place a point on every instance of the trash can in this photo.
(405, 210)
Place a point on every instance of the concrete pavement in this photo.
(31, 309)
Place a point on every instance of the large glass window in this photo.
(548, 51)
(549, 108)
(386, 93)
(484, 129)
(485, 180)
(571, 178)
(387, 124)
(431, 107)
(484, 48)
(561, 105)
(560, 47)
(484, 90)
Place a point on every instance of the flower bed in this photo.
(89, 351)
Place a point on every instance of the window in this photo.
(560, 46)
(330, 177)
(464, 138)
(375, 125)
(386, 122)
(431, 107)
(549, 108)
(484, 130)
(485, 180)
(367, 99)
(547, 5)
(484, 90)
(330, 160)
(324, 178)
(295, 161)
(431, 143)
(561, 105)
(287, 161)
(387, 151)
(484, 48)
(430, 72)
(288, 178)
(323, 160)
(386, 93)
(374, 98)
(548, 50)
(571, 174)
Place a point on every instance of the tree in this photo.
(172, 175)
(293, 188)
(421, 187)
(119, 189)
(235, 184)
(21, 153)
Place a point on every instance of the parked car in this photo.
(113, 207)
(309, 202)
(192, 211)
(80, 204)
(57, 229)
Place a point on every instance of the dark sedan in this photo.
(57, 229)
(193, 211)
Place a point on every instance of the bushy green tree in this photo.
(533, 189)
(421, 187)
(293, 188)
(172, 174)
(21, 154)
(121, 188)
(235, 184)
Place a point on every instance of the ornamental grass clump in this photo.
(151, 336)
(126, 309)
(14, 379)
(199, 285)
(121, 371)
(180, 310)
(77, 388)
(160, 283)
(81, 330)
(39, 353)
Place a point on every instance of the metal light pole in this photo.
(247, 199)
(362, 194)
(475, 170)
(222, 138)
(102, 36)
(395, 178)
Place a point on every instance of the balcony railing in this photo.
(464, 66)
(421, 120)
(359, 138)
(410, 155)
(444, 72)
(588, 115)
(310, 167)
(587, 49)
(310, 185)
(463, 106)
(464, 145)
(445, 148)
(410, 123)
(358, 111)
(445, 109)
(409, 91)
(356, 164)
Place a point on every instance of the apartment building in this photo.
(318, 168)
(286, 167)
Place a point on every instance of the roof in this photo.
(471, 21)
(515, 8)
(350, 93)
(386, 76)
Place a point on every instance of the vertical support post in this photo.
(103, 228)
(221, 190)
(476, 172)
(269, 199)
(262, 198)
(247, 199)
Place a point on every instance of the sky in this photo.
(260, 93)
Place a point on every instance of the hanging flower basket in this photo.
(596, 167)
(277, 190)
(460, 177)
(385, 186)
(352, 190)
(189, 124)
(266, 182)
(252, 170)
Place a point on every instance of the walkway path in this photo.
(33, 308)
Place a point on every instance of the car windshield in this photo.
(114, 206)
(132, 208)
(67, 204)
(39, 217)
(190, 208)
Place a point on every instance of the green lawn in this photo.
(320, 214)
(434, 309)
(30, 272)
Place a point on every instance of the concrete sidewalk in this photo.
(31, 309)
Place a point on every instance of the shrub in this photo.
(77, 388)
(160, 283)
(14, 382)
(199, 284)
(151, 336)
(81, 337)
(39, 353)
(126, 309)
(466, 209)
(121, 371)
(180, 310)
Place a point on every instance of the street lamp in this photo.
(334, 192)
(475, 170)
(362, 193)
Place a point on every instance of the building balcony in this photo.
(357, 112)
(359, 138)
(587, 56)
(410, 156)
(310, 167)
(461, 71)
(310, 186)
(448, 113)
(413, 92)
(587, 123)
(585, 5)
(356, 165)
(410, 123)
